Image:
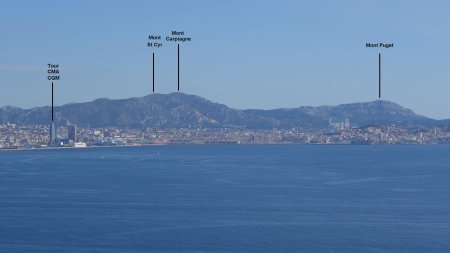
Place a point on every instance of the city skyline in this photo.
(288, 54)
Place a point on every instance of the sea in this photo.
(227, 198)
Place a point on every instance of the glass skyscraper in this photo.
(52, 134)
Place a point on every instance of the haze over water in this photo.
(226, 198)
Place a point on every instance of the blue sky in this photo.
(245, 54)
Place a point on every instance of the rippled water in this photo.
(226, 198)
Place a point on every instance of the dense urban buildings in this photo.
(14, 136)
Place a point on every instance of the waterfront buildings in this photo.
(13, 136)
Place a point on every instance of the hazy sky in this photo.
(245, 54)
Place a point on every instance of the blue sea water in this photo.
(227, 198)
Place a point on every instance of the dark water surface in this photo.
(226, 198)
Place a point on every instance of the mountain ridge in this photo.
(177, 110)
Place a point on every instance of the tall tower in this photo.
(52, 126)
(72, 133)
(347, 124)
(52, 134)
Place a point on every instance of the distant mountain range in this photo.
(177, 110)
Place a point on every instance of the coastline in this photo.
(87, 147)
(252, 144)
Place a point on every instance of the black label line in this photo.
(379, 75)
(52, 101)
(153, 72)
(178, 67)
